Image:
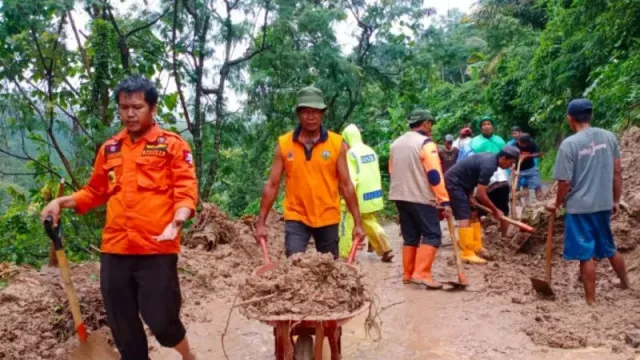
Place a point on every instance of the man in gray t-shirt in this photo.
(588, 172)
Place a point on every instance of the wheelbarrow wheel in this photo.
(303, 349)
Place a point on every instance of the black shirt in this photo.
(531, 148)
(472, 171)
(448, 158)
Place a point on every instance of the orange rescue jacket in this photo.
(311, 179)
(143, 184)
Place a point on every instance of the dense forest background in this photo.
(228, 72)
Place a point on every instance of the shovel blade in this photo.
(95, 348)
(542, 287)
(265, 269)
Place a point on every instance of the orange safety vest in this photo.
(142, 183)
(311, 179)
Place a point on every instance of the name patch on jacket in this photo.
(157, 149)
(113, 150)
(368, 158)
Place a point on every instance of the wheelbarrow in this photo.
(309, 331)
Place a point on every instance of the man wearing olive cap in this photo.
(588, 171)
(417, 187)
(314, 163)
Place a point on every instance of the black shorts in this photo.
(459, 201)
(419, 224)
(297, 236)
(500, 198)
(141, 285)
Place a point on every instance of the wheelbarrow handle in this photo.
(265, 252)
(354, 249)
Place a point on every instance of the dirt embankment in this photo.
(218, 255)
(566, 321)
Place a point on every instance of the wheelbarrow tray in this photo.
(311, 321)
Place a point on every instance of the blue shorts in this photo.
(588, 236)
(530, 178)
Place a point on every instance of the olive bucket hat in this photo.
(310, 97)
(420, 115)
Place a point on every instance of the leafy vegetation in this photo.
(228, 71)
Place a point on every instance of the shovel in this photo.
(521, 225)
(543, 287)
(514, 191)
(462, 278)
(268, 265)
(93, 347)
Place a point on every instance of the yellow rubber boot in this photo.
(478, 245)
(408, 262)
(467, 247)
(422, 274)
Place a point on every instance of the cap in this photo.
(419, 115)
(511, 151)
(516, 128)
(448, 138)
(579, 107)
(310, 97)
(466, 131)
(525, 138)
(483, 119)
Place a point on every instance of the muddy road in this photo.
(415, 323)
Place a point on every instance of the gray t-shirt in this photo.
(585, 159)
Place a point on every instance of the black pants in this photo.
(297, 235)
(419, 223)
(141, 285)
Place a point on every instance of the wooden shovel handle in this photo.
(519, 224)
(514, 190)
(53, 259)
(549, 247)
(74, 305)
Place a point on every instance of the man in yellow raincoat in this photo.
(364, 170)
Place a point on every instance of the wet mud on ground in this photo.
(484, 322)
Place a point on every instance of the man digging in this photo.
(417, 187)
(461, 180)
(314, 163)
(589, 175)
(146, 177)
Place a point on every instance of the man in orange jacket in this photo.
(314, 162)
(146, 177)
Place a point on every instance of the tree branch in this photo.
(148, 24)
(176, 72)
(85, 58)
(2, 173)
(207, 91)
(113, 19)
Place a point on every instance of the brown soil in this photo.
(309, 284)
(566, 321)
(35, 322)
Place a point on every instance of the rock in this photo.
(617, 348)
(632, 337)
(517, 300)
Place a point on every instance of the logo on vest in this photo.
(290, 156)
(326, 155)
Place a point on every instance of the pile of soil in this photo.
(309, 284)
(566, 321)
(211, 227)
(225, 268)
(35, 321)
(36, 324)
